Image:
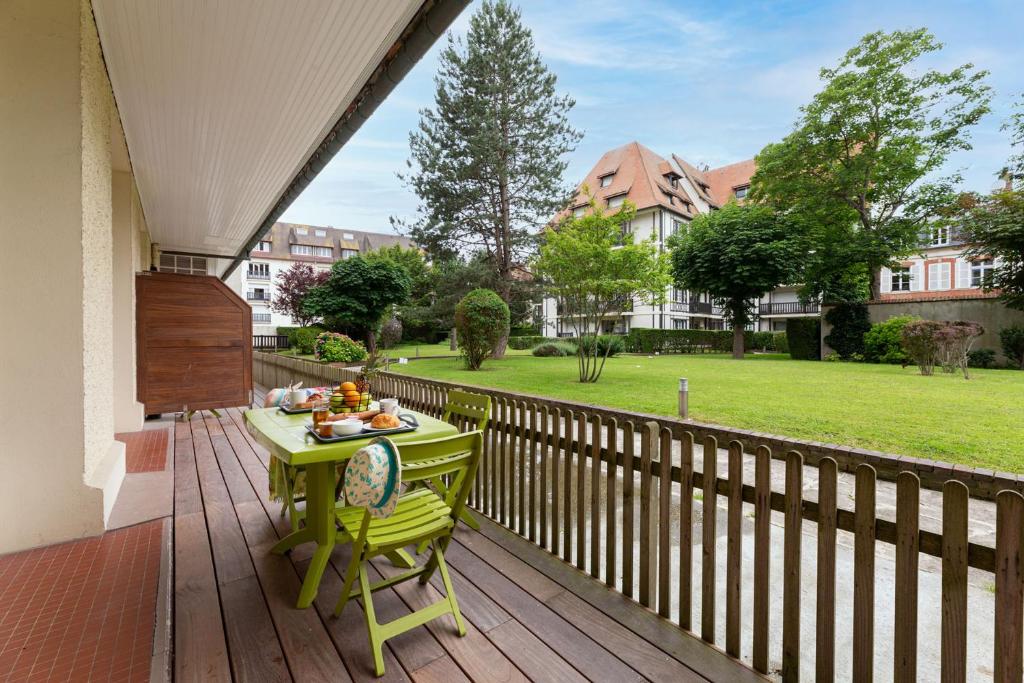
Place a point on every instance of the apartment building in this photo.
(668, 193)
(288, 243)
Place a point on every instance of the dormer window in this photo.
(579, 211)
(301, 231)
(940, 236)
(740, 192)
(349, 236)
(614, 202)
(606, 180)
(320, 233)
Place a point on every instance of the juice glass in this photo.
(321, 411)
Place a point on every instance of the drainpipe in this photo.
(426, 27)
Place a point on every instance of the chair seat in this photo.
(419, 514)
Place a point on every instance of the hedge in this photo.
(523, 342)
(804, 337)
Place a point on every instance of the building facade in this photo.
(668, 193)
(289, 243)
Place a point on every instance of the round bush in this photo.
(1012, 341)
(849, 323)
(481, 319)
(982, 358)
(554, 349)
(333, 347)
(304, 338)
(883, 343)
(611, 344)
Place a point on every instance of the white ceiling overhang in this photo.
(223, 102)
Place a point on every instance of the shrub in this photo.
(849, 324)
(678, 341)
(779, 342)
(921, 343)
(883, 343)
(764, 341)
(981, 358)
(955, 340)
(551, 349)
(1012, 341)
(304, 339)
(804, 336)
(481, 319)
(523, 342)
(334, 347)
(610, 344)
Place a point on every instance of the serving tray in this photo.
(369, 432)
(287, 410)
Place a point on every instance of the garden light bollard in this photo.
(684, 398)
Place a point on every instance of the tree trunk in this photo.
(505, 292)
(874, 284)
(371, 343)
(737, 341)
(453, 342)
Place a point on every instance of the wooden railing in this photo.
(269, 341)
(602, 489)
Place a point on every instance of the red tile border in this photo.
(146, 451)
(83, 610)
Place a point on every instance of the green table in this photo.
(285, 436)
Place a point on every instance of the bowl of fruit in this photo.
(350, 398)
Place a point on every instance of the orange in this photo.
(348, 386)
(349, 394)
(352, 401)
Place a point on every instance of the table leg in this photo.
(291, 540)
(320, 524)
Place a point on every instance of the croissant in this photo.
(385, 421)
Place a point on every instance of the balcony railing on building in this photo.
(261, 318)
(790, 308)
(258, 275)
(257, 296)
(625, 306)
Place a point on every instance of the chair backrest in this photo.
(466, 410)
(456, 456)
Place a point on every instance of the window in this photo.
(579, 211)
(740, 192)
(301, 250)
(301, 231)
(673, 180)
(261, 318)
(679, 323)
(258, 294)
(323, 251)
(940, 236)
(901, 279)
(348, 253)
(678, 296)
(606, 180)
(320, 233)
(259, 271)
(349, 236)
(182, 264)
(938, 275)
(675, 227)
(981, 272)
(262, 245)
(614, 202)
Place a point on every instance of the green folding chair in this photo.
(421, 516)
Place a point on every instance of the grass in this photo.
(979, 422)
(409, 350)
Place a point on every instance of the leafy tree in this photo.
(1012, 341)
(416, 315)
(596, 270)
(490, 156)
(738, 254)
(480, 318)
(994, 225)
(358, 294)
(456, 277)
(291, 288)
(860, 165)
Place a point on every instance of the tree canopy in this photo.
(596, 270)
(488, 159)
(860, 167)
(357, 295)
(737, 254)
(291, 287)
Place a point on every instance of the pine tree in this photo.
(488, 159)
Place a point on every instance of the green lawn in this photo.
(409, 350)
(883, 407)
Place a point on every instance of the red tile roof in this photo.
(725, 180)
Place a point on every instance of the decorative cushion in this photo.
(373, 477)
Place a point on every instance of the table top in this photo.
(285, 436)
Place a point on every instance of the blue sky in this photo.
(712, 82)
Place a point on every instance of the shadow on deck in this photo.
(530, 616)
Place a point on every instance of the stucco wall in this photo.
(55, 417)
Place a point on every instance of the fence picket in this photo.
(570, 445)
(595, 496)
(762, 554)
(628, 503)
(686, 531)
(648, 542)
(734, 551)
(545, 431)
(908, 494)
(524, 432)
(611, 500)
(708, 538)
(556, 490)
(536, 430)
(791, 568)
(1009, 620)
(954, 582)
(864, 574)
(664, 514)
(825, 622)
(581, 492)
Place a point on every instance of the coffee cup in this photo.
(389, 406)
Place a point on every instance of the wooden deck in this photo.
(529, 615)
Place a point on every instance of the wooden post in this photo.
(954, 582)
(864, 574)
(907, 543)
(791, 567)
(1009, 619)
(708, 538)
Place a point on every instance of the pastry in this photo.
(385, 421)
